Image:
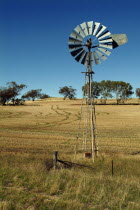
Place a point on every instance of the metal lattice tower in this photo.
(90, 43)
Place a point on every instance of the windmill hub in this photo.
(90, 43)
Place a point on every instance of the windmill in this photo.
(91, 43)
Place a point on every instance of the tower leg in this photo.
(88, 118)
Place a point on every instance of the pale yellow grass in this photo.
(53, 125)
(28, 136)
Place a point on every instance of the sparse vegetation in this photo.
(44, 96)
(10, 92)
(67, 92)
(32, 94)
(29, 135)
(107, 89)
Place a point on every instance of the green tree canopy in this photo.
(10, 92)
(43, 96)
(96, 89)
(32, 94)
(67, 92)
(107, 89)
(122, 90)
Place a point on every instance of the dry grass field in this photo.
(28, 136)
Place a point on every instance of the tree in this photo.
(16, 89)
(98, 89)
(43, 96)
(32, 94)
(67, 92)
(10, 93)
(5, 95)
(105, 90)
(122, 90)
(138, 92)
(95, 89)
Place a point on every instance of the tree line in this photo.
(11, 92)
(104, 90)
(110, 89)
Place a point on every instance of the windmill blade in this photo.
(79, 31)
(107, 40)
(73, 41)
(84, 59)
(107, 52)
(97, 60)
(74, 46)
(80, 55)
(76, 36)
(92, 59)
(75, 52)
(89, 59)
(101, 30)
(84, 28)
(107, 33)
(118, 39)
(101, 55)
(96, 26)
(90, 26)
(109, 46)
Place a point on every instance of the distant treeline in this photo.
(12, 91)
(104, 90)
(111, 89)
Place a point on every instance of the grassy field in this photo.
(28, 136)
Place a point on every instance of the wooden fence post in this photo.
(55, 159)
(112, 168)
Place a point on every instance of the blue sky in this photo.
(34, 42)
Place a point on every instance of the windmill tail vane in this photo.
(118, 39)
